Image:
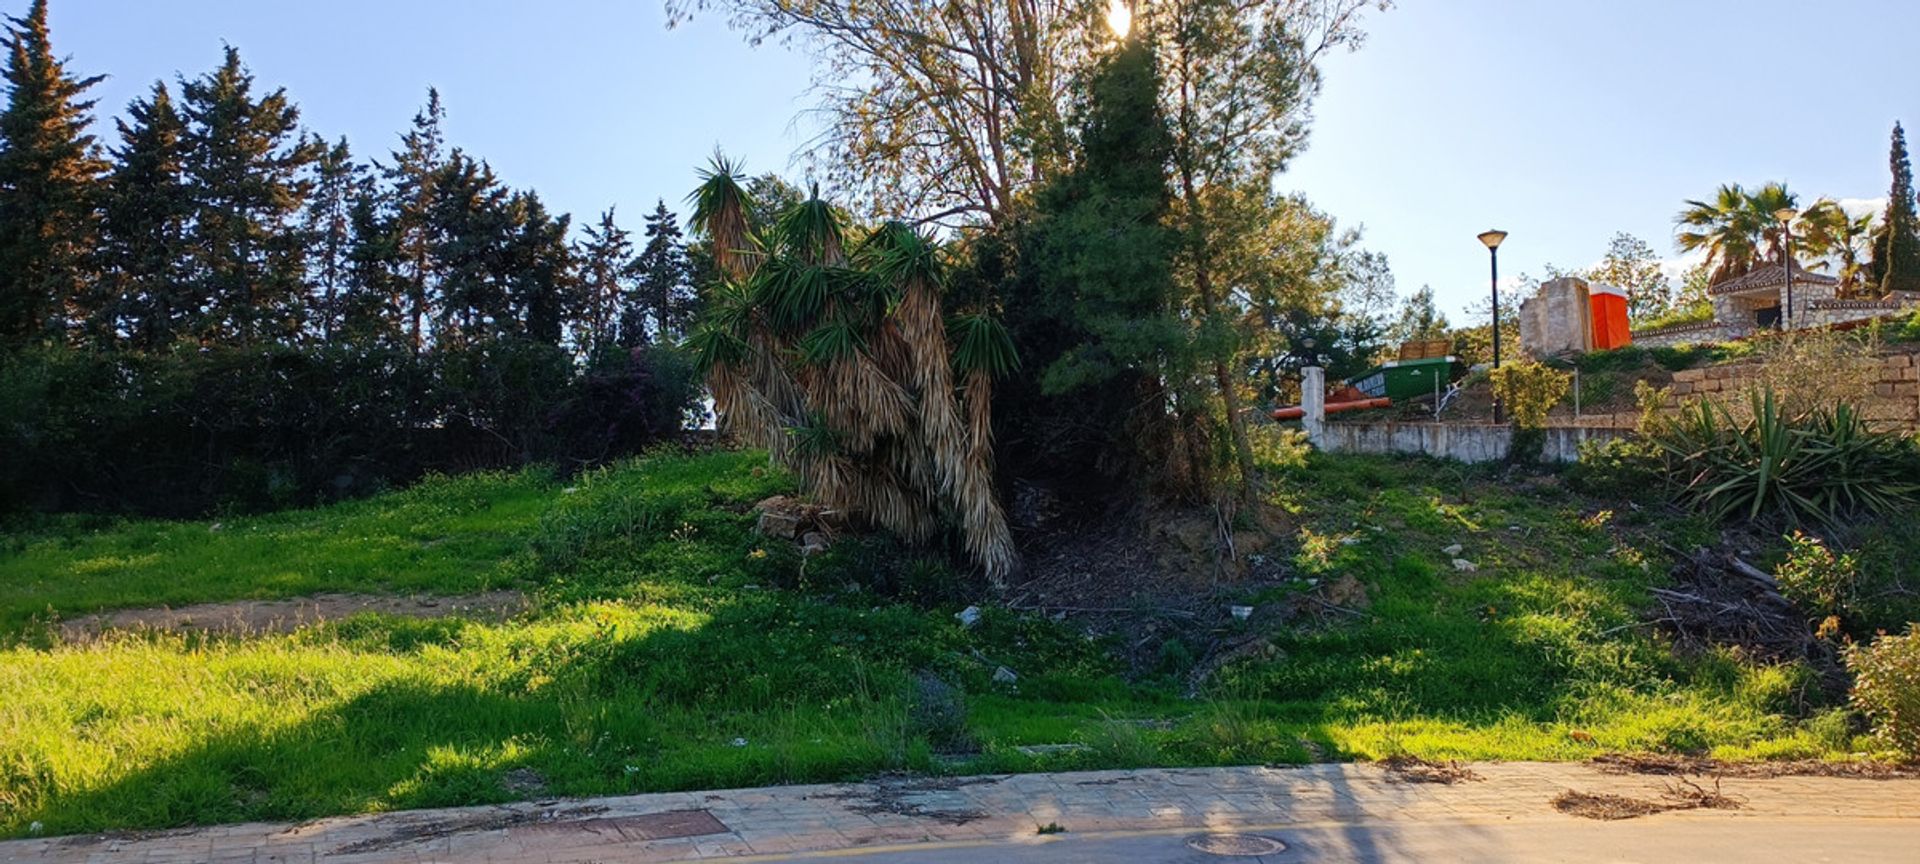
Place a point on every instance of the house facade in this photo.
(1759, 300)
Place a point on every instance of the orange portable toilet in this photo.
(1607, 318)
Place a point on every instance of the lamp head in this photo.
(1492, 238)
(1784, 214)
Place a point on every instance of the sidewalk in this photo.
(924, 813)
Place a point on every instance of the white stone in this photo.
(1003, 675)
(968, 616)
(1465, 566)
(1454, 550)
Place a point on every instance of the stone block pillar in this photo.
(1313, 402)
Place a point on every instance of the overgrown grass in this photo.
(670, 648)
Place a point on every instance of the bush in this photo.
(1620, 468)
(1529, 390)
(1886, 688)
(189, 431)
(1815, 579)
(1821, 466)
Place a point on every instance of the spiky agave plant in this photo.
(834, 355)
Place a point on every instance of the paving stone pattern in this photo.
(778, 821)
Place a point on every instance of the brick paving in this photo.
(786, 820)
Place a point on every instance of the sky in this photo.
(1559, 121)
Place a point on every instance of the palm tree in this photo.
(835, 355)
(1735, 227)
(1835, 237)
(1724, 227)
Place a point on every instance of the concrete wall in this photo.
(1555, 320)
(1466, 443)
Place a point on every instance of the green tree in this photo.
(605, 257)
(1737, 229)
(663, 291)
(416, 165)
(49, 180)
(1631, 265)
(338, 181)
(1896, 249)
(1242, 79)
(469, 228)
(1419, 318)
(145, 213)
(246, 169)
(1088, 293)
(1833, 236)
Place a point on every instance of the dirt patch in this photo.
(253, 617)
(1413, 769)
(1660, 764)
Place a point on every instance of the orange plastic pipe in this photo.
(1296, 412)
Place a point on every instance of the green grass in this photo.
(669, 648)
(445, 535)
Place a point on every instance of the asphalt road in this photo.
(1664, 838)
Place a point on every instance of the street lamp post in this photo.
(1785, 215)
(1492, 240)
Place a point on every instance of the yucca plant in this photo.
(1819, 467)
(835, 354)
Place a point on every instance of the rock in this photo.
(776, 524)
(1241, 613)
(737, 742)
(1465, 566)
(1453, 551)
(968, 616)
(1347, 592)
(1003, 675)
(814, 543)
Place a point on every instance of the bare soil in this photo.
(254, 617)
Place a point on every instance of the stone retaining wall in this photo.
(1681, 334)
(1896, 387)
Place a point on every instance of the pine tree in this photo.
(606, 263)
(245, 167)
(664, 293)
(419, 161)
(49, 177)
(338, 181)
(143, 228)
(539, 274)
(467, 226)
(1896, 249)
(371, 308)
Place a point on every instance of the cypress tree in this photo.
(328, 224)
(606, 264)
(467, 226)
(1896, 250)
(49, 176)
(416, 165)
(539, 274)
(664, 292)
(143, 227)
(246, 169)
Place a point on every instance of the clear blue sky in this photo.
(1560, 121)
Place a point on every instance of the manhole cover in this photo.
(1244, 845)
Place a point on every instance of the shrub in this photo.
(1529, 390)
(1626, 468)
(938, 710)
(1820, 466)
(1886, 688)
(1814, 578)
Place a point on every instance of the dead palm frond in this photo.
(839, 363)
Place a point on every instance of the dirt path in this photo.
(250, 617)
